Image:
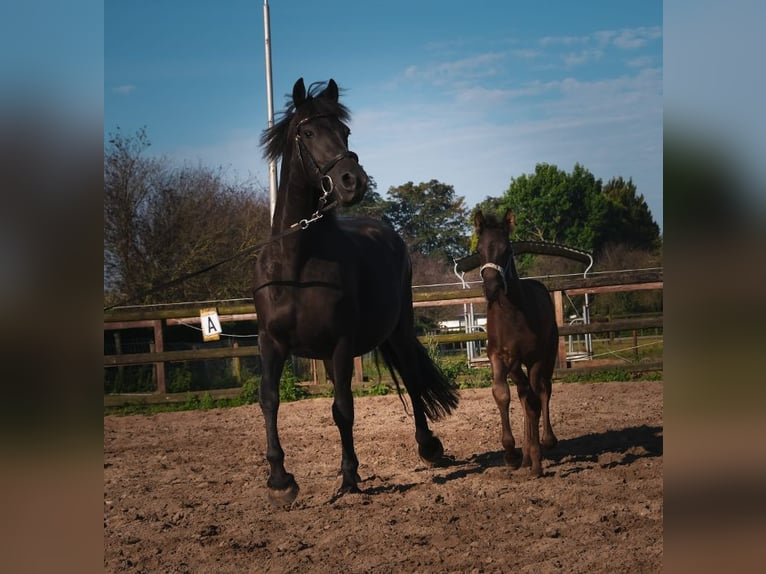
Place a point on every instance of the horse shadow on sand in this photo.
(618, 447)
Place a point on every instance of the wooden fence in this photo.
(159, 317)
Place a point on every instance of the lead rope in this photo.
(297, 226)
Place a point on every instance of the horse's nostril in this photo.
(348, 180)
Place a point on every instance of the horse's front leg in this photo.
(282, 486)
(530, 401)
(343, 415)
(502, 395)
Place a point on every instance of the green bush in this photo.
(248, 394)
(179, 378)
(374, 390)
(289, 389)
(207, 402)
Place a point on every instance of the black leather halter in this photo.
(325, 181)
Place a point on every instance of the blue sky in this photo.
(471, 94)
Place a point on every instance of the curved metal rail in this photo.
(471, 261)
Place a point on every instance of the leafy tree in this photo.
(577, 210)
(622, 256)
(430, 217)
(372, 204)
(551, 205)
(162, 222)
(626, 219)
(127, 174)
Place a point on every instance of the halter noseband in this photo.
(501, 270)
(325, 181)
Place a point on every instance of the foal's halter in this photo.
(503, 271)
(325, 181)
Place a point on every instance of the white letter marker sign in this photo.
(211, 324)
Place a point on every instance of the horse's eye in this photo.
(308, 134)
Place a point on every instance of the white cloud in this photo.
(579, 58)
(633, 38)
(604, 37)
(563, 40)
(640, 62)
(526, 54)
(626, 39)
(481, 137)
(456, 71)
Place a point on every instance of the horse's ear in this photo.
(299, 92)
(478, 221)
(510, 219)
(331, 91)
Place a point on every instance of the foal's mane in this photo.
(274, 140)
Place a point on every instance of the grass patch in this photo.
(455, 369)
(610, 376)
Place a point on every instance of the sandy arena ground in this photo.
(185, 492)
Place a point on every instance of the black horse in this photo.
(521, 330)
(333, 288)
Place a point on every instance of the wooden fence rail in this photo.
(156, 317)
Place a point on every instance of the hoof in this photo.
(512, 459)
(549, 442)
(343, 491)
(431, 451)
(536, 471)
(347, 489)
(526, 461)
(281, 497)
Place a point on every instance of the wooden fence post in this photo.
(236, 369)
(118, 351)
(558, 304)
(159, 368)
(320, 375)
(358, 373)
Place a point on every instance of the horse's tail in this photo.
(438, 395)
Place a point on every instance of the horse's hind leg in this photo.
(282, 486)
(502, 395)
(404, 351)
(343, 415)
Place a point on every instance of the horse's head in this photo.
(495, 252)
(321, 144)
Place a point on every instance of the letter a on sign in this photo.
(211, 324)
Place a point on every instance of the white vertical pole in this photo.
(270, 105)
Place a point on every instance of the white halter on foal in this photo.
(496, 267)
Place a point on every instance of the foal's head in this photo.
(314, 123)
(495, 252)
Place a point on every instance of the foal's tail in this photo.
(425, 379)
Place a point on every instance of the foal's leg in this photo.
(282, 486)
(502, 394)
(548, 439)
(530, 400)
(343, 415)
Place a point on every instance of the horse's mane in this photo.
(274, 140)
